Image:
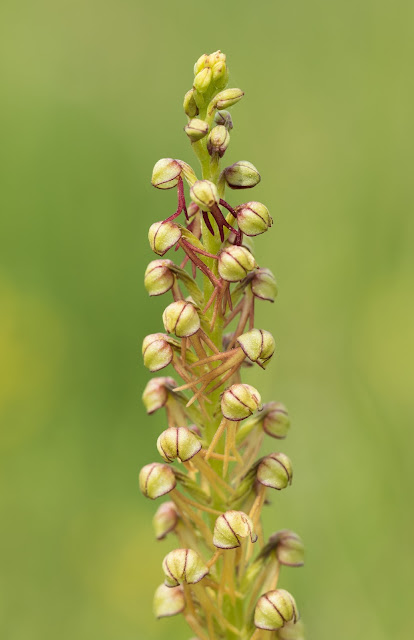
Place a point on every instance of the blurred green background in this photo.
(91, 98)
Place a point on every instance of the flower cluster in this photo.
(223, 576)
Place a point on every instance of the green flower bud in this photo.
(157, 351)
(181, 318)
(275, 471)
(183, 565)
(220, 74)
(215, 57)
(189, 104)
(241, 175)
(224, 118)
(239, 401)
(230, 527)
(274, 609)
(218, 140)
(158, 277)
(156, 392)
(165, 520)
(235, 263)
(162, 236)
(156, 479)
(166, 173)
(204, 193)
(203, 79)
(258, 345)
(275, 420)
(178, 443)
(253, 218)
(201, 63)
(227, 98)
(264, 285)
(292, 631)
(289, 548)
(196, 129)
(168, 601)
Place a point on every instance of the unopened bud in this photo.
(168, 601)
(165, 520)
(158, 277)
(205, 194)
(289, 548)
(203, 79)
(253, 218)
(201, 63)
(220, 74)
(224, 118)
(292, 631)
(215, 57)
(274, 609)
(230, 528)
(157, 351)
(258, 345)
(178, 443)
(166, 173)
(181, 318)
(275, 471)
(264, 285)
(196, 129)
(156, 393)
(183, 566)
(227, 98)
(189, 104)
(242, 175)
(239, 401)
(218, 140)
(275, 421)
(162, 236)
(235, 263)
(156, 479)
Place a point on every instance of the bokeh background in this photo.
(91, 98)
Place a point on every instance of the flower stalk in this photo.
(223, 577)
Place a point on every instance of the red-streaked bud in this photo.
(264, 285)
(231, 527)
(275, 421)
(258, 345)
(158, 277)
(183, 566)
(157, 351)
(189, 104)
(166, 173)
(156, 480)
(204, 193)
(156, 393)
(168, 601)
(253, 218)
(196, 129)
(235, 263)
(241, 175)
(239, 401)
(275, 471)
(165, 520)
(274, 609)
(224, 118)
(181, 318)
(218, 140)
(162, 236)
(178, 443)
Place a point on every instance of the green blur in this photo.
(91, 98)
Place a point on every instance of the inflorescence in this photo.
(223, 577)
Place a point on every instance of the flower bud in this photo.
(253, 218)
(242, 175)
(201, 63)
(196, 129)
(292, 631)
(227, 98)
(218, 140)
(156, 479)
(168, 601)
(162, 236)
(274, 609)
(205, 194)
(235, 263)
(215, 57)
(263, 285)
(157, 351)
(203, 79)
(258, 345)
(165, 519)
(224, 118)
(239, 401)
(275, 420)
(158, 277)
(178, 443)
(156, 392)
(189, 104)
(275, 471)
(230, 527)
(220, 74)
(166, 173)
(289, 548)
(181, 318)
(183, 565)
